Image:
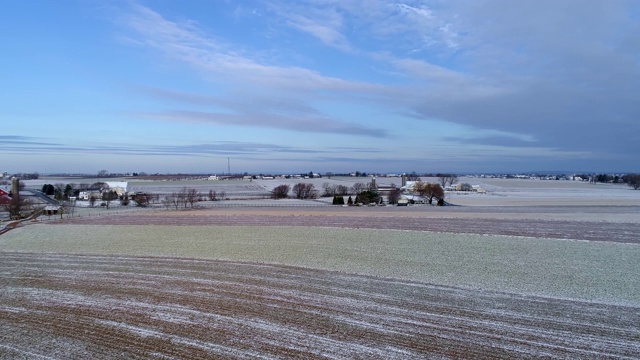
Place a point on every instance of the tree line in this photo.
(308, 191)
(364, 193)
(633, 180)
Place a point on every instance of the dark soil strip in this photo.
(561, 229)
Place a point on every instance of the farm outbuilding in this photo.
(120, 187)
(413, 199)
(51, 210)
(86, 195)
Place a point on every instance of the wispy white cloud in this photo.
(326, 26)
(278, 97)
(438, 82)
(28, 146)
(295, 124)
(184, 42)
(409, 25)
(236, 102)
(560, 73)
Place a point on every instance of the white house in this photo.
(86, 195)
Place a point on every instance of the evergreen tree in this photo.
(48, 189)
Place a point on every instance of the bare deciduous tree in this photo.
(298, 190)
(92, 200)
(329, 189)
(311, 192)
(452, 179)
(182, 197)
(280, 192)
(434, 191)
(359, 187)
(447, 179)
(304, 191)
(413, 176)
(428, 190)
(442, 178)
(192, 196)
(633, 180)
(172, 200)
(394, 195)
(342, 190)
(420, 187)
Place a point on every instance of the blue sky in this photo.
(309, 85)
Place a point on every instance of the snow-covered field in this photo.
(585, 270)
(500, 192)
(526, 192)
(531, 269)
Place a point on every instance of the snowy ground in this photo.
(531, 269)
(525, 192)
(105, 307)
(500, 192)
(456, 254)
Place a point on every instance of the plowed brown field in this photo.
(65, 306)
(457, 220)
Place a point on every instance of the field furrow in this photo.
(73, 306)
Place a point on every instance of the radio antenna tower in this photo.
(228, 166)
